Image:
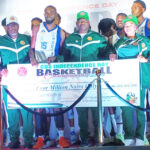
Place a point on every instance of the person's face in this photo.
(50, 15)
(130, 28)
(137, 9)
(83, 25)
(12, 30)
(36, 22)
(119, 20)
(57, 20)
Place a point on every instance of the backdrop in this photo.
(25, 10)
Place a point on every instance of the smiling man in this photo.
(80, 46)
(14, 49)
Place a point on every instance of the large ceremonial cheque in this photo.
(64, 83)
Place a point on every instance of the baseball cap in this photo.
(82, 14)
(11, 19)
(131, 18)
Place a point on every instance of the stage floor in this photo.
(95, 148)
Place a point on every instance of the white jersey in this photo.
(47, 43)
(143, 28)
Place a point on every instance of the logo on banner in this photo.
(22, 71)
(131, 97)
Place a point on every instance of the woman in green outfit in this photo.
(133, 45)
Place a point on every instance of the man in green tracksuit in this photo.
(85, 45)
(14, 48)
(134, 46)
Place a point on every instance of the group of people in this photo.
(126, 38)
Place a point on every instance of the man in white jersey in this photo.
(138, 8)
(47, 39)
(46, 42)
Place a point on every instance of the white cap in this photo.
(11, 19)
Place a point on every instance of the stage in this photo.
(113, 148)
(96, 148)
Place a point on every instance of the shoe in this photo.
(73, 138)
(85, 143)
(91, 141)
(108, 139)
(129, 142)
(139, 142)
(146, 142)
(120, 137)
(21, 141)
(28, 146)
(113, 141)
(63, 142)
(77, 142)
(49, 143)
(14, 144)
(39, 143)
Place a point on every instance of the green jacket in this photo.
(144, 49)
(91, 47)
(142, 42)
(14, 52)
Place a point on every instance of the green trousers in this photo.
(128, 123)
(83, 121)
(13, 124)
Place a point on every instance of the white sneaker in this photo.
(139, 142)
(120, 137)
(146, 142)
(73, 139)
(129, 142)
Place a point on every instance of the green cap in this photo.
(130, 18)
(82, 14)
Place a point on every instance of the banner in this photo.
(63, 83)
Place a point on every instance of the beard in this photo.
(120, 28)
(50, 21)
(13, 35)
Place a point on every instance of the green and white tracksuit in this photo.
(16, 52)
(130, 48)
(79, 48)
